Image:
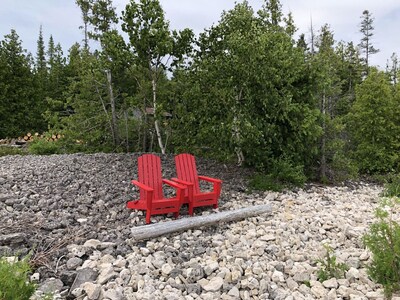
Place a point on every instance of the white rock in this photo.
(166, 269)
(278, 276)
(317, 289)
(352, 274)
(234, 292)
(92, 290)
(92, 243)
(214, 285)
(330, 283)
(106, 274)
(210, 267)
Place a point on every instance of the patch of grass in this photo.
(14, 283)
(6, 150)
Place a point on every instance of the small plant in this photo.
(329, 267)
(383, 240)
(14, 283)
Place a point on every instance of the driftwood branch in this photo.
(147, 232)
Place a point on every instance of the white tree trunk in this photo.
(113, 113)
(156, 122)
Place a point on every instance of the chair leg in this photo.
(215, 206)
(191, 209)
(148, 215)
(176, 215)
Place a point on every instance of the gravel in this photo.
(69, 211)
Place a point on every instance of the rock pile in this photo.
(70, 210)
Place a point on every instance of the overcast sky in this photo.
(62, 18)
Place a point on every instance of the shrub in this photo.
(329, 267)
(14, 284)
(281, 174)
(383, 240)
(44, 147)
(392, 186)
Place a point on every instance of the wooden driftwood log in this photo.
(147, 232)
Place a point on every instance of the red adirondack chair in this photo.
(187, 174)
(151, 193)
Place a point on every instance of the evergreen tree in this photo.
(19, 110)
(41, 55)
(374, 125)
(367, 30)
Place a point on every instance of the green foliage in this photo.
(281, 174)
(20, 105)
(14, 284)
(392, 186)
(373, 123)
(5, 150)
(329, 267)
(247, 93)
(44, 147)
(383, 240)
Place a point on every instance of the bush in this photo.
(392, 186)
(44, 147)
(383, 239)
(14, 284)
(282, 174)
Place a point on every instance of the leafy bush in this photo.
(383, 239)
(44, 147)
(14, 284)
(281, 174)
(329, 267)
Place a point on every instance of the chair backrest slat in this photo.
(186, 169)
(149, 168)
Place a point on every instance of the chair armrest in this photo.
(174, 184)
(142, 186)
(182, 181)
(210, 179)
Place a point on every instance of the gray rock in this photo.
(82, 276)
(51, 285)
(12, 239)
(73, 263)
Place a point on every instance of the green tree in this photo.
(374, 125)
(246, 95)
(366, 46)
(156, 48)
(19, 112)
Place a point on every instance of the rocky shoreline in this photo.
(70, 209)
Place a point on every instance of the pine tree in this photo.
(366, 46)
